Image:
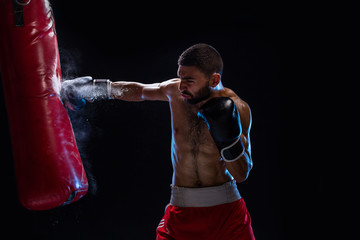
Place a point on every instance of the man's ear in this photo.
(215, 80)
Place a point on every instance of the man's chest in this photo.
(187, 127)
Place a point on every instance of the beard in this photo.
(199, 96)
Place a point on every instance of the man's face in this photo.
(194, 86)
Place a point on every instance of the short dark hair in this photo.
(204, 57)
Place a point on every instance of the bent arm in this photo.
(136, 92)
(240, 168)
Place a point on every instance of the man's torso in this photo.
(195, 157)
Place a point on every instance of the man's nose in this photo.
(182, 86)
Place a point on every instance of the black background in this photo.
(268, 53)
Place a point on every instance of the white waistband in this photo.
(204, 197)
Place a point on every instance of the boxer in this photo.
(210, 145)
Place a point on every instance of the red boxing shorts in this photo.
(227, 221)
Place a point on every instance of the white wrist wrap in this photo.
(108, 85)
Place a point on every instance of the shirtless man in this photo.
(210, 144)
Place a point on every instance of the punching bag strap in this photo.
(18, 12)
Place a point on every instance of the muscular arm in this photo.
(136, 92)
(240, 168)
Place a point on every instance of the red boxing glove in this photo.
(49, 171)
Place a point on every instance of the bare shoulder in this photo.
(243, 108)
(170, 87)
(240, 104)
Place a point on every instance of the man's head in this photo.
(200, 69)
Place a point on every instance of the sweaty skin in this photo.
(195, 158)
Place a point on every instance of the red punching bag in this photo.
(48, 168)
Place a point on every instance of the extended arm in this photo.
(136, 92)
(74, 92)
